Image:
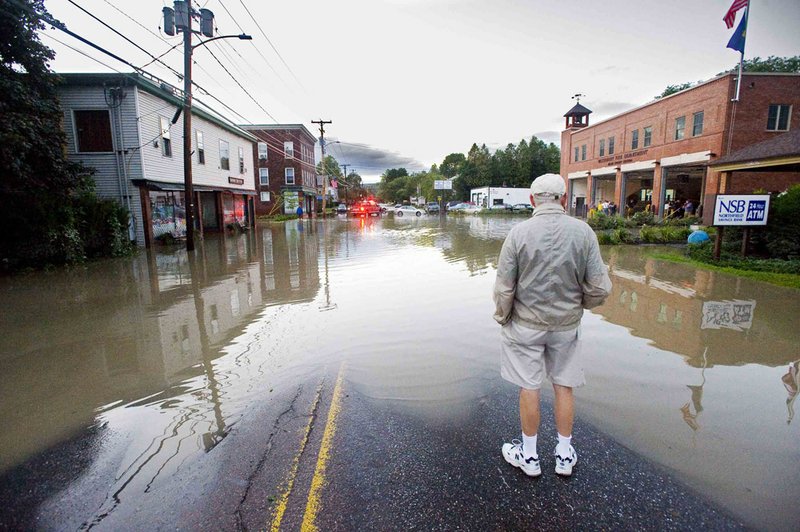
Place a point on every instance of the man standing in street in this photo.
(549, 270)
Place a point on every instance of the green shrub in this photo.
(600, 221)
(705, 253)
(643, 218)
(683, 222)
(664, 234)
(103, 226)
(782, 234)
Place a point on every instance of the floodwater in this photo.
(141, 365)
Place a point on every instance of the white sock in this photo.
(563, 444)
(529, 446)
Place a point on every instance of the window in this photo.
(262, 151)
(634, 139)
(263, 177)
(611, 145)
(583, 152)
(602, 147)
(648, 136)
(576, 155)
(224, 155)
(697, 124)
(680, 126)
(265, 197)
(166, 141)
(289, 175)
(241, 160)
(288, 149)
(201, 148)
(778, 118)
(93, 131)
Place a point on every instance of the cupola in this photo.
(578, 116)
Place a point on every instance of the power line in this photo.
(180, 76)
(235, 21)
(240, 85)
(270, 43)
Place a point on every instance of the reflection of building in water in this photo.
(131, 329)
(290, 263)
(665, 303)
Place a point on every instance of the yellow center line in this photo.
(283, 500)
(313, 504)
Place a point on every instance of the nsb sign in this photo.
(741, 210)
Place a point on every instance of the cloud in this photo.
(370, 160)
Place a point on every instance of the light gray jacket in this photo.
(549, 270)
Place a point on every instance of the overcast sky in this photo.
(407, 82)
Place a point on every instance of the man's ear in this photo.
(564, 200)
(533, 203)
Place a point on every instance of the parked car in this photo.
(450, 204)
(500, 207)
(522, 207)
(408, 210)
(365, 208)
(432, 207)
(386, 207)
(465, 207)
(341, 209)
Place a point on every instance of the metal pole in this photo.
(741, 55)
(187, 133)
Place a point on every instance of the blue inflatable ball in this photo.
(698, 237)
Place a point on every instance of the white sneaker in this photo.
(564, 464)
(513, 454)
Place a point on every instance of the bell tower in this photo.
(578, 116)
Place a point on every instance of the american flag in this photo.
(730, 16)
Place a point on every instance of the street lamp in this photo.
(180, 19)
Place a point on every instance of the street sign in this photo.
(443, 184)
(741, 210)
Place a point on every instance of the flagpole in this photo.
(741, 55)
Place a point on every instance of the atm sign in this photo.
(741, 210)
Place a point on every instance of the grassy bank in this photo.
(789, 280)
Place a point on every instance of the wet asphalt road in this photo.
(390, 467)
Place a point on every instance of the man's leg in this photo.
(565, 414)
(565, 409)
(529, 411)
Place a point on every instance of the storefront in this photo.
(164, 210)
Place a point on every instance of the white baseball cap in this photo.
(548, 185)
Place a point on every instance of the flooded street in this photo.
(137, 369)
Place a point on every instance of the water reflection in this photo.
(138, 347)
(144, 364)
(709, 318)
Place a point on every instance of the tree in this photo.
(771, 64)
(329, 166)
(48, 203)
(672, 89)
(756, 64)
(451, 165)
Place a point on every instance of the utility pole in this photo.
(180, 19)
(346, 184)
(322, 123)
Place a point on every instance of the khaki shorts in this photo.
(527, 355)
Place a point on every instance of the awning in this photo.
(179, 187)
(606, 170)
(687, 158)
(577, 175)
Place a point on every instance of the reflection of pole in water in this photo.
(792, 383)
(327, 305)
(697, 398)
(210, 439)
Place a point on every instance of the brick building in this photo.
(285, 168)
(661, 151)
